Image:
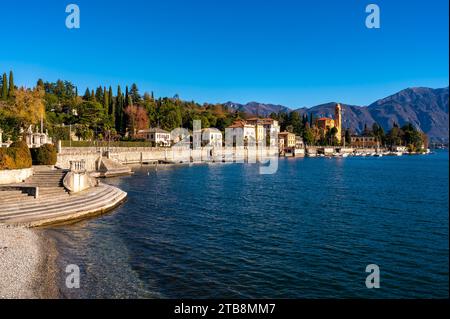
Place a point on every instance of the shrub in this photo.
(16, 156)
(44, 155)
(6, 162)
(20, 152)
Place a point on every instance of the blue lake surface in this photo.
(308, 231)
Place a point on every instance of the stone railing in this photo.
(77, 179)
(78, 166)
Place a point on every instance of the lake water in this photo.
(308, 231)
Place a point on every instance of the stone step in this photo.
(68, 208)
(10, 194)
(20, 196)
(54, 204)
(41, 201)
(98, 208)
(30, 200)
(46, 184)
(51, 189)
(61, 208)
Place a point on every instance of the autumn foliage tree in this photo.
(136, 118)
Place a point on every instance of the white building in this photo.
(157, 136)
(299, 142)
(266, 130)
(248, 132)
(212, 137)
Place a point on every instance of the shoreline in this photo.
(27, 264)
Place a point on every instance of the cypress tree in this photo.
(111, 111)
(92, 95)
(105, 100)
(110, 102)
(40, 83)
(87, 95)
(119, 110)
(126, 96)
(99, 94)
(11, 84)
(4, 87)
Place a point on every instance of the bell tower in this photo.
(338, 121)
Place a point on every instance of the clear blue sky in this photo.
(296, 53)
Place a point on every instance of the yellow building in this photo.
(287, 139)
(325, 123)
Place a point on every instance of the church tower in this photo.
(338, 122)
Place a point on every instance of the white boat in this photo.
(344, 154)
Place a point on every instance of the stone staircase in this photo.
(50, 178)
(54, 204)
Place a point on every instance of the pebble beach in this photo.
(27, 264)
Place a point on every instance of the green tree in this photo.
(126, 100)
(105, 100)
(11, 84)
(308, 135)
(295, 122)
(134, 93)
(91, 113)
(99, 94)
(119, 110)
(331, 136)
(348, 137)
(40, 83)
(412, 137)
(87, 95)
(394, 137)
(4, 87)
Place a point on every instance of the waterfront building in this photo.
(364, 141)
(157, 136)
(266, 129)
(288, 139)
(299, 142)
(248, 132)
(401, 149)
(326, 123)
(286, 143)
(212, 137)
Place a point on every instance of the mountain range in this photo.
(426, 108)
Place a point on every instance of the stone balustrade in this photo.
(78, 166)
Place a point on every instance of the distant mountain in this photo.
(257, 108)
(426, 108)
(354, 117)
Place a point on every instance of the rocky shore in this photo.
(27, 264)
